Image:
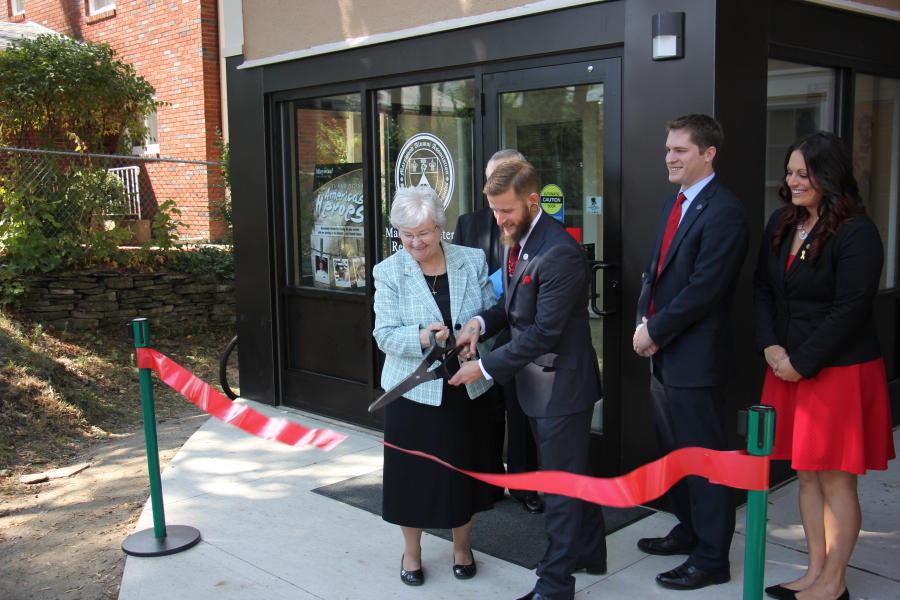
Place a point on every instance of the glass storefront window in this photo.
(425, 137)
(560, 131)
(876, 159)
(800, 100)
(328, 245)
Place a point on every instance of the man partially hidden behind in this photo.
(479, 230)
(684, 324)
(551, 357)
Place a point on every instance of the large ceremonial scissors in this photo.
(424, 372)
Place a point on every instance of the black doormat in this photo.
(507, 532)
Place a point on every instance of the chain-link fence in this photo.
(70, 191)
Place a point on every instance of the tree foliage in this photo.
(72, 93)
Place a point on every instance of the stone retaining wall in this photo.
(93, 299)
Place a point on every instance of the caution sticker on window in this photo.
(552, 201)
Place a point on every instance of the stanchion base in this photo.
(145, 543)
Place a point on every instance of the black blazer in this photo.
(479, 230)
(821, 312)
(544, 305)
(693, 294)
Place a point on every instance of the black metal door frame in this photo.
(348, 399)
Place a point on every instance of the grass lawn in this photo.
(61, 391)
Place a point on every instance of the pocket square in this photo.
(526, 280)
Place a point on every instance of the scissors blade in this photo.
(420, 375)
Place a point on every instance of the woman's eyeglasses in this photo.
(408, 236)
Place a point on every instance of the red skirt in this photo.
(839, 420)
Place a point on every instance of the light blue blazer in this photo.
(404, 304)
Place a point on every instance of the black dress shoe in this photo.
(781, 592)
(416, 577)
(664, 546)
(465, 571)
(531, 503)
(534, 596)
(689, 577)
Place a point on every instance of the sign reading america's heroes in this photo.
(336, 240)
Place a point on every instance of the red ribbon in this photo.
(735, 469)
(210, 400)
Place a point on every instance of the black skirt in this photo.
(418, 492)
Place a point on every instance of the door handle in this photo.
(597, 266)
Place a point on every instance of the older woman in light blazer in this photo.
(429, 286)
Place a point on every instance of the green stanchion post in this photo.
(141, 330)
(760, 437)
(161, 540)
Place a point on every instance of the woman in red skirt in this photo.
(818, 272)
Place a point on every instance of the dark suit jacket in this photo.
(693, 294)
(821, 312)
(545, 306)
(479, 230)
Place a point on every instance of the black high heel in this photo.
(416, 577)
(781, 592)
(466, 571)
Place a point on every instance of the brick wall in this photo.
(174, 46)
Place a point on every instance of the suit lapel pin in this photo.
(524, 257)
(699, 207)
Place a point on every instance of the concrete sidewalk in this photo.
(265, 535)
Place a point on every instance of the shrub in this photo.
(61, 89)
(58, 220)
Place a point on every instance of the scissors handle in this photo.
(423, 373)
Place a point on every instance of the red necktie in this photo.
(512, 259)
(668, 236)
(671, 228)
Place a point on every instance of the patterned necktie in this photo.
(668, 236)
(671, 228)
(512, 259)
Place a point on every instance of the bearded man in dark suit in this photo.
(551, 357)
(479, 230)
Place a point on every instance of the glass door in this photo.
(324, 288)
(565, 120)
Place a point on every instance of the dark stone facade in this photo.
(98, 299)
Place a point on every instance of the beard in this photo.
(521, 228)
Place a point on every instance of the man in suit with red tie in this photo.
(551, 357)
(479, 230)
(684, 324)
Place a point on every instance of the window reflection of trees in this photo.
(445, 109)
(329, 134)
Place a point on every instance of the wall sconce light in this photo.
(668, 35)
